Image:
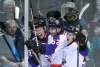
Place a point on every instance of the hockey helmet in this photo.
(54, 14)
(39, 22)
(55, 23)
(71, 29)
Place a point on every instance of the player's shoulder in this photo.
(73, 45)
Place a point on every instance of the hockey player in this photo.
(55, 43)
(57, 15)
(72, 16)
(72, 19)
(72, 56)
(38, 49)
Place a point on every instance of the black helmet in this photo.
(55, 23)
(39, 21)
(71, 29)
(54, 13)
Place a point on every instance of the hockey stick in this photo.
(26, 33)
(80, 17)
(78, 56)
(83, 10)
(36, 39)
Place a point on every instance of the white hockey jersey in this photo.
(71, 57)
(55, 48)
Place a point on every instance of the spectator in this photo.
(96, 46)
(14, 42)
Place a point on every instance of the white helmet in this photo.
(69, 5)
(65, 6)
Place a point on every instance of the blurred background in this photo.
(90, 19)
